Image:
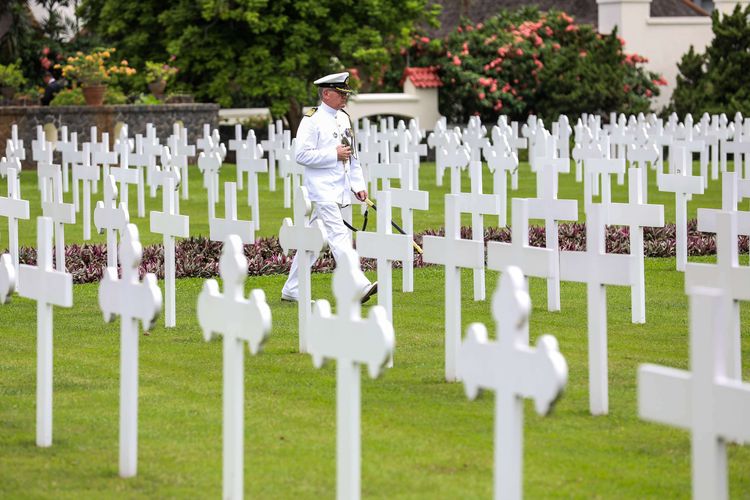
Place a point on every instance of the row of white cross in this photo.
(597, 216)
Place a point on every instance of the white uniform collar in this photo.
(328, 109)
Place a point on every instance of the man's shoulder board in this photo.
(311, 111)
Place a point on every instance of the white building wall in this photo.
(663, 40)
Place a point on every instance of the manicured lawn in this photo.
(272, 210)
(421, 437)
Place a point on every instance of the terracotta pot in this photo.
(94, 94)
(157, 88)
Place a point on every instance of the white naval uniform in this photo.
(329, 181)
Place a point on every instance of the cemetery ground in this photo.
(421, 437)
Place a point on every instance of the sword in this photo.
(395, 226)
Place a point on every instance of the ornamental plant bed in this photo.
(198, 257)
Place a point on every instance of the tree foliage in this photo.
(527, 61)
(258, 52)
(717, 81)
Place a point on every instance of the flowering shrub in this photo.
(91, 69)
(158, 72)
(525, 61)
(198, 257)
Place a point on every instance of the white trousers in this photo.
(337, 235)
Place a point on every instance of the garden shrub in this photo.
(526, 61)
(74, 97)
(718, 80)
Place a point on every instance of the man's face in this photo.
(336, 98)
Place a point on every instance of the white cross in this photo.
(209, 164)
(475, 136)
(726, 275)
(478, 205)
(437, 140)
(89, 174)
(48, 288)
(250, 159)
(60, 212)
(104, 156)
(707, 132)
(635, 214)
(238, 320)
(514, 370)
(124, 174)
(132, 300)
(308, 239)
(501, 161)
(562, 138)
(70, 157)
(740, 146)
(683, 185)
(707, 400)
(383, 172)
(234, 145)
(220, 228)
(8, 276)
(531, 261)
(454, 253)
(9, 162)
(13, 207)
(596, 268)
(640, 153)
(682, 150)
(153, 150)
(69, 151)
(547, 207)
(409, 198)
(108, 216)
(386, 247)
(455, 156)
(140, 159)
(291, 171)
(181, 150)
(14, 146)
(601, 168)
(45, 168)
(41, 149)
(170, 224)
(351, 341)
(272, 145)
(586, 148)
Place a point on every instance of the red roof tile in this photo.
(423, 78)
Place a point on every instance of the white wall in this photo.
(663, 40)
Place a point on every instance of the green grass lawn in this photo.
(421, 437)
(272, 210)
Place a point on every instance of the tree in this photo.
(257, 52)
(718, 80)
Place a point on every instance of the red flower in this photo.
(45, 51)
(649, 93)
(498, 105)
(626, 88)
(456, 61)
(556, 46)
(481, 96)
(425, 39)
(583, 53)
(571, 27)
(519, 52)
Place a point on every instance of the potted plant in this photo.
(11, 79)
(158, 75)
(93, 74)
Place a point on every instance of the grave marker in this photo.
(14, 208)
(706, 400)
(454, 253)
(48, 288)
(111, 218)
(132, 300)
(60, 212)
(7, 278)
(219, 229)
(238, 320)
(170, 224)
(308, 239)
(597, 269)
(351, 341)
(514, 371)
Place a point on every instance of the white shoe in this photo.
(288, 298)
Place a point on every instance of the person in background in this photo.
(332, 171)
(51, 88)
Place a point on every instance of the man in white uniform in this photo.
(332, 171)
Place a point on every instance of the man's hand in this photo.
(361, 196)
(343, 152)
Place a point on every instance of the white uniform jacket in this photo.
(326, 178)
